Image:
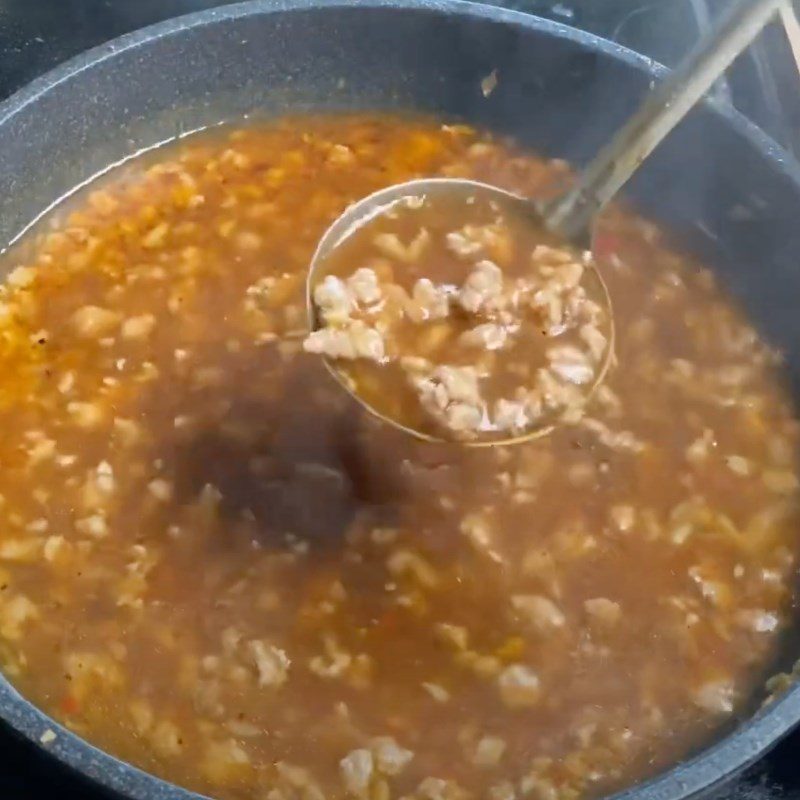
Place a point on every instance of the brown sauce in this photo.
(214, 564)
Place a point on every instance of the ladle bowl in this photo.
(375, 205)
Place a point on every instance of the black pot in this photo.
(718, 182)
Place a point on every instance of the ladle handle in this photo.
(664, 107)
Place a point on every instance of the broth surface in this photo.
(214, 564)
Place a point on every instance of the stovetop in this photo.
(35, 35)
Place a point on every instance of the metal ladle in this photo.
(571, 216)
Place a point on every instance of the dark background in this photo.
(35, 35)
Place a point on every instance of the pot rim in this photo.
(697, 775)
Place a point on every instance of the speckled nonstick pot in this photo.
(718, 182)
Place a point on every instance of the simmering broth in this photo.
(214, 564)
